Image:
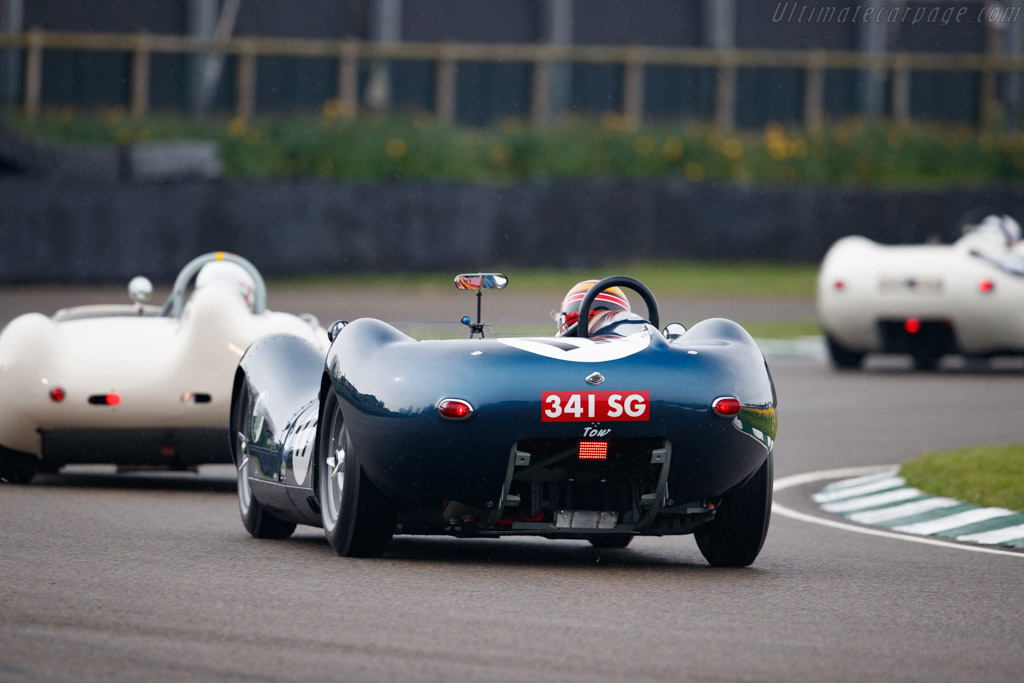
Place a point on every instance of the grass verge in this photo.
(992, 476)
(673, 278)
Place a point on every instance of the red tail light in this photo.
(113, 399)
(726, 406)
(593, 450)
(57, 394)
(985, 285)
(912, 326)
(454, 408)
(839, 285)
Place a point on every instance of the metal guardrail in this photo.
(633, 59)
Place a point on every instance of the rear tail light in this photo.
(912, 326)
(593, 450)
(726, 406)
(454, 408)
(110, 399)
(985, 285)
(57, 394)
(839, 285)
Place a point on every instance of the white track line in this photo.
(809, 477)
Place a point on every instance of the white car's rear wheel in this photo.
(17, 467)
(841, 356)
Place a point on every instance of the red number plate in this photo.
(595, 406)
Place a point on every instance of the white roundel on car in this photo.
(579, 350)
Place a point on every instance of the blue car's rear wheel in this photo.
(257, 520)
(735, 536)
(358, 519)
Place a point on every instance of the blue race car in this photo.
(613, 430)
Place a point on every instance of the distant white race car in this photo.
(925, 300)
(135, 384)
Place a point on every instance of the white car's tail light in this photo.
(57, 394)
(726, 406)
(110, 399)
(839, 285)
(985, 285)
(912, 326)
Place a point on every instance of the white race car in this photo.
(925, 300)
(135, 384)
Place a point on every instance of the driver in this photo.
(231, 275)
(606, 304)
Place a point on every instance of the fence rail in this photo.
(633, 59)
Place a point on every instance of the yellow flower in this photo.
(693, 172)
(643, 145)
(332, 108)
(116, 114)
(672, 148)
(732, 148)
(237, 127)
(395, 148)
(611, 120)
(498, 155)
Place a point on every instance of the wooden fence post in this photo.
(814, 92)
(987, 105)
(540, 88)
(140, 74)
(900, 90)
(725, 93)
(445, 86)
(633, 85)
(33, 72)
(246, 77)
(348, 78)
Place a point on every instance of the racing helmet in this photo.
(1004, 227)
(231, 275)
(611, 299)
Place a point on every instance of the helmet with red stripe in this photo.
(611, 299)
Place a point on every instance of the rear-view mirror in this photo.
(477, 281)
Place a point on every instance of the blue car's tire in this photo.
(258, 521)
(735, 536)
(358, 519)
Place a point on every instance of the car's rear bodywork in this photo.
(924, 300)
(126, 384)
(558, 437)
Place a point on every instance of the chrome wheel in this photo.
(333, 480)
(258, 521)
(358, 519)
(244, 488)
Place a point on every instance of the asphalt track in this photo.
(152, 577)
